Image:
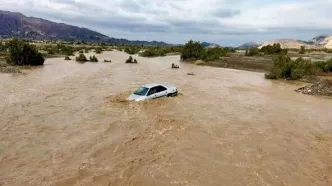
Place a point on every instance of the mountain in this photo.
(315, 43)
(209, 45)
(325, 41)
(17, 25)
(249, 45)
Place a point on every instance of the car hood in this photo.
(133, 97)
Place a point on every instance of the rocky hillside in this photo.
(315, 43)
(17, 25)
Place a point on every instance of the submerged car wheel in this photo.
(172, 94)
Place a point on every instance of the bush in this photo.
(93, 59)
(81, 52)
(252, 52)
(132, 49)
(285, 68)
(212, 54)
(86, 51)
(107, 60)
(98, 50)
(325, 66)
(67, 58)
(302, 50)
(129, 60)
(81, 58)
(21, 53)
(273, 49)
(192, 50)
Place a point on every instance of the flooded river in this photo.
(68, 124)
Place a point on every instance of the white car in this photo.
(153, 91)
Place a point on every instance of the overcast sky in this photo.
(226, 22)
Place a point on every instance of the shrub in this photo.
(132, 49)
(129, 60)
(285, 68)
(81, 52)
(325, 66)
(107, 60)
(192, 50)
(67, 58)
(21, 53)
(93, 59)
(252, 52)
(86, 51)
(273, 49)
(212, 54)
(302, 50)
(98, 50)
(81, 58)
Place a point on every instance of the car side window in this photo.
(152, 91)
(161, 88)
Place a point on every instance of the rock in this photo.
(322, 88)
(175, 66)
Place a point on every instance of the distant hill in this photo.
(249, 45)
(316, 43)
(209, 45)
(17, 25)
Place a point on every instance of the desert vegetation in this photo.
(67, 58)
(193, 50)
(93, 59)
(286, 68)
(21, 53)
(274, 49)
(81, 58)
(161, 51)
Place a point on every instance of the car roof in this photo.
(154, 85)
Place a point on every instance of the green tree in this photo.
(21, 53)
(253, 52)
(81, 58)
(192, 50)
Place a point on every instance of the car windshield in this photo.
(141, 91)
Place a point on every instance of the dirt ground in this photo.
(69, 124)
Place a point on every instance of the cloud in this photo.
(224, 21)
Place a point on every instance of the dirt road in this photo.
(68, 124)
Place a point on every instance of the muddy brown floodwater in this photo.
(69, 124)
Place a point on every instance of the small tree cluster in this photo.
(81, 58)
(192, 50)
(325, 66)
(252, 52)
(21, 53)
(273, 49)
(285, 68)
(196, 51)
(132, 49)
